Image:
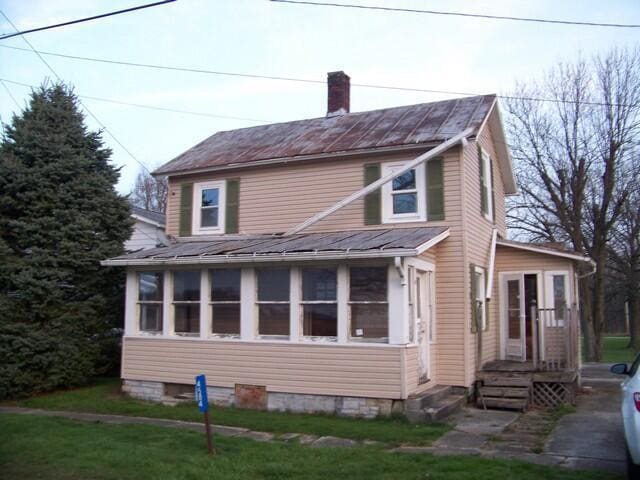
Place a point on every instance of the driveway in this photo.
(592, 437)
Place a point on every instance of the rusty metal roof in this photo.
(347, 244)
(390, 127)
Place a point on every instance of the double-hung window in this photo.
(480, 298)
(368, 303)
(486, 185)
(150, 293)
(273, 301)
(319, 302)
(208, 211)
(404, 196)
(225, 301)
(186, 302)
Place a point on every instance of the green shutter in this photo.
(435, 189)
(186, 202)
(232, 206)
(372, 201)
(472, 289)
(483, 192)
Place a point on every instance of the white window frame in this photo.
(387, 196)
(549, 295)
(211, 303)
(197, 206)
(488, 186)
(293, 281)
(302, 303)
(139, 303)
(350, 303)
(174, 302)
(481, 294)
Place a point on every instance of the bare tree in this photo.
(150, 192)
(573, 160)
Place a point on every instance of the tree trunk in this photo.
(634, 320)
(598, 302)
(586, 322)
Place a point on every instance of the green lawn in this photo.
(615, 350)
(105, 397)
(61, 449)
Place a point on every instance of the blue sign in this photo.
(201, 393)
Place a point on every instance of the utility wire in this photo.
(300, 80)
(9, 93)
(461, 14)
(80, 20)
(150, 107)
(102, 125)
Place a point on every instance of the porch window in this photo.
(368, 303)
(404, 196)
(150, 293)
(225, 301)
(208, 211)
(319, 302)
(480, 298)
(559, 287)
(273, 301)
(186, 302)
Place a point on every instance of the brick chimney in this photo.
(339, 91)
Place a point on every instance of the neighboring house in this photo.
(354, 263)
(148, 230)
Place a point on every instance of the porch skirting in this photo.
(273, 401)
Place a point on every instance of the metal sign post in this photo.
(203, 406)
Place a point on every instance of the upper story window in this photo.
(486, 185)
(208, 207)
(403, 199)
(150, 294)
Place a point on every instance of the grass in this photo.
(105, 397)
(616, 350)
(56, 448)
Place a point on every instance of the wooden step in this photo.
(428, 397)
(505, 392)
(497, 380)
(504, 403)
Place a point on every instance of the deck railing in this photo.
(555, 339)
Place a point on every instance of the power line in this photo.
(9, 93)
(149, 107)
(461, 14)
(80, 20)
(102, 125)
(300, 80)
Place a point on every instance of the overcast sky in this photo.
(261, 37)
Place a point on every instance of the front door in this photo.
(514, 315)
(423, 317)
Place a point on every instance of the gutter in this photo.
(492, 263)
(261, 258)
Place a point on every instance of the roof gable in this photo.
(411, 125)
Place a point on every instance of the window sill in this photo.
(224, 336)
(186, 334)
(369, 340)
(309, 339)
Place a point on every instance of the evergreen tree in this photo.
(60, 215)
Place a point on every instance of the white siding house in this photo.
(148, 230)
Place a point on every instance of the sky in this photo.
(300, 41)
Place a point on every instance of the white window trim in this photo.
(293, 280)
(174, 302)
(486, 162)
(387, 196)
(139, 303)
(210, 303)
(481, 295)
(302, 303)
(197, 205)
(387, 302)
(549, 294)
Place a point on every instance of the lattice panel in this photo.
(552, 394)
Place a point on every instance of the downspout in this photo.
(492, 264)
(397, 261)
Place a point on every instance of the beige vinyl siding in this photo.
(274, 199)
(478, 231)
(510, 259)
(358, 371)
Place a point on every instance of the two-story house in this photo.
(355, 263)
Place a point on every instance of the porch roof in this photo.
(391, 242)
(545, 249)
